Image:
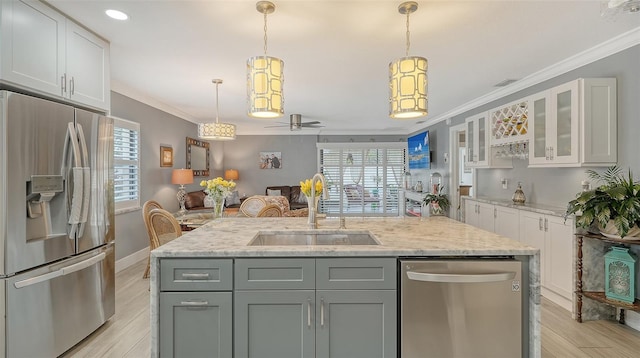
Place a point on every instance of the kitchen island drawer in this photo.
(274, 274)
(196, 275)
(356, 274)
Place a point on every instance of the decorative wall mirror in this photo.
(198, 157)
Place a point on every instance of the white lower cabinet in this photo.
(479, 214)
(494, 218)
(553, 236)
(506, 222)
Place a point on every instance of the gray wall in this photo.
(556, 186)
(156, 128)
(298, 161)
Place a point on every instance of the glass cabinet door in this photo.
(482, 139)
(539, 148)
(470, 141)
(565, 132)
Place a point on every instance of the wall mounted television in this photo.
(419, 155)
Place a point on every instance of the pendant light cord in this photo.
(217, 84)
(408, 41)
(265, 34)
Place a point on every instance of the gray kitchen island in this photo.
(247, 287)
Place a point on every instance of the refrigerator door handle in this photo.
(74, 161)
(86, 179)
(34, 280)
(83, 264)
(460, 278)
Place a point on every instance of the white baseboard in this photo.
(632, 319)
(561, 301)
(127, 261)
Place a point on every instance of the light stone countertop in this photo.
(534, 207)
(399, 236)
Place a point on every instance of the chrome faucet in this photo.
(313, 221)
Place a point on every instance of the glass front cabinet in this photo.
(574, 124)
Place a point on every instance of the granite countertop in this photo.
(538, 208)
(399, 236)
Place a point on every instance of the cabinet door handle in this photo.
(195, 276)
(540, 223)
(495, 213)
(308, 313)
(63, 84)
(551, 150)
(194, 303)
(546, 153)
(322, 312)
(546, 224)
(72, 85)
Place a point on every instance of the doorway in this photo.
(461, 177)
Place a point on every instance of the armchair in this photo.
(356, 195)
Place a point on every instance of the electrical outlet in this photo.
(505, 183)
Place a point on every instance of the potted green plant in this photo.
(437, 202)
(614, 206)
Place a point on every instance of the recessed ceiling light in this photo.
(116, 14)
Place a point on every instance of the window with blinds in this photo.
(363, 178)
(126, 160)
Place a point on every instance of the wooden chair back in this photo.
(164, 227)
(146, 210)
(271, 210)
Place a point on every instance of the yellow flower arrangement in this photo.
(218, 187)
(305, 188)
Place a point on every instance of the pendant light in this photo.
(265, 77)
(217, 131)
(408, 79)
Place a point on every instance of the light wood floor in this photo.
(127, 333)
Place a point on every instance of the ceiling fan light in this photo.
(408, 84)
(295, 122)
(217, 131)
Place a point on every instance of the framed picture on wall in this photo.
(166, 156)
(270, 160)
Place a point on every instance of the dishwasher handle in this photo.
(460, 278)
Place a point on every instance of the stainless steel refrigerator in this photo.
(56, 225)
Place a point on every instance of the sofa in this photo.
(195, 201)
(297, 200)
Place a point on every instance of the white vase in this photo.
(208, 201)
(611, 231)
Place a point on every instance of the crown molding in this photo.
(119, 87)
(614, 45)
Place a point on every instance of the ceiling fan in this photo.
(296, 123)
(614, 7)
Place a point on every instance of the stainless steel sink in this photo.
(313, 237)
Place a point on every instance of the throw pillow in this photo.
(271, 192)
(302, 198)
(233, 199)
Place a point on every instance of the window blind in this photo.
(363, 178)
(126, 160)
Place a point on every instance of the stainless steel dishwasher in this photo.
(461, 308)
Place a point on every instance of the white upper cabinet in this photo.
(574, 124)
(45, 52)
(87, 67)
(33, 45)
(477, 140)
(479, 152)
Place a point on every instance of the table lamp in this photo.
(182, 177)
(231, 174)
